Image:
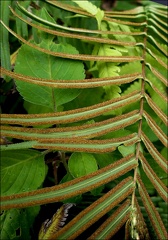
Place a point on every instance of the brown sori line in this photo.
(78, 10)
(78, 36)
(163, 96)
(71, 83)
(133, 11)
(157, 59)
(54, 188)
(159, 75)
(81, 148)
(152, 150)
(85, 141)
(60, 198)
(156, 109)
(83, 57)
(81, 85)
(145, 198)
(79, 192)
(65, 139)
(73, 134)
(122, 222)
(110, 219)
(135, 94)
(75, 149)
(85, 211)
(68, 7)
(103, 132)
(81, 127)
(156, 129)
(148, 170)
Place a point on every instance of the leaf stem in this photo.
(141, 113)
(63, 159)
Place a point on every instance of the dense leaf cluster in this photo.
(93, 85)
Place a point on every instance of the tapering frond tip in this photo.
(135, 225)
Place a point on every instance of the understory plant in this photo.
(90, 137)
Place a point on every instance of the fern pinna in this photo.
(93, 84)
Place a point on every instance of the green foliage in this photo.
(16, 223)
(42, 66)
(93, 84)
(81, 164)
(25, 164)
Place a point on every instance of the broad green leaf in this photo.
(126, 150)
(35, 109)
(4, 37)
(137, 40)
(71, 188)
(105, 159)
(16, 223)
(21, 170)
(128, 6)
(84, 99)
(81, 164)
(38, 64)
(116, 27)
(92, 9)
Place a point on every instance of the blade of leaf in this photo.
(84, 57)
(113, 223)
(42, 66)
(154, 152)
(72, 115)
(158, 184)
(87, 83)
(16, 223)
(4, 36)
(156, 129)
(156, 109)
(71, 188)
(96, 210)
(18, 169)
(84, 131)
(152, 212)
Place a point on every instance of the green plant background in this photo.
(87, 124)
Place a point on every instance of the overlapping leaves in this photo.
(128, 62)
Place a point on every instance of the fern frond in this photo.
(126, 56)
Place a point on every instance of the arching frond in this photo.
(124, 55)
